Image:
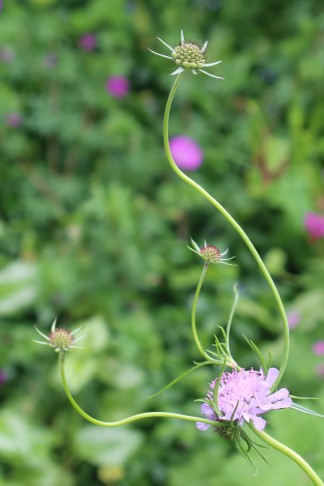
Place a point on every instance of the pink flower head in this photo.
(88, 42)
(314, 225)
(14, 120)
(117, 86)
(186, 153)
(243, 396)
(293, 318)
(318, 348)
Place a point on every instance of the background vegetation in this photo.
(94, 228)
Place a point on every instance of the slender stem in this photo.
(193, 314)
(229, 322)
(229, 361)
(234, 224)
(127, 420)
(291, 454)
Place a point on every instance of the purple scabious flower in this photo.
(88, 42)
(243, 396)
(186, 153)
(117, 86)
(314, 225)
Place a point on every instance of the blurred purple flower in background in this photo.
(50, 60)
(318, 348)
(14, 120)
(117, 86)
(186, 153)
(314, 225)
(0, 5)
(88, 42)
(320, 371)
(3, 374)
(6, 54)
(293, 318)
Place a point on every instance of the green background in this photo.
(94, 227)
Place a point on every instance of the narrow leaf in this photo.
(256, 350)
(302, 409)
(183, 375)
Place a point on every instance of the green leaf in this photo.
(302, 409)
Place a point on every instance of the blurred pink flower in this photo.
(318, 348)
(117, 86)
(88, 42)
(293, 318)
(50, 61)
(320, 371)
(14, 120)
(314, 225)
(7, 55)
(3, 377)
(186, 153)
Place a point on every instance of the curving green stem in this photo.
(234, 224)
(127, 420)
(193, 314)
(229, 361)
(290, 453)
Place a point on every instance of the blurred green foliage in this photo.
(94, 227)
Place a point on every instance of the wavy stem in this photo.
(233, 223)
(290, 453)
(132, 418)
(193, 314)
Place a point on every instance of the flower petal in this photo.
(208, 411)
(201, 426)
(272, 376)
(259, 423)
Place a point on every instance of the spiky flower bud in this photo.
(59, 339)
(210, 253)
(189, 55)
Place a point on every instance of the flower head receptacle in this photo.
(189, 55)
(210, 253)
(59, 339)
